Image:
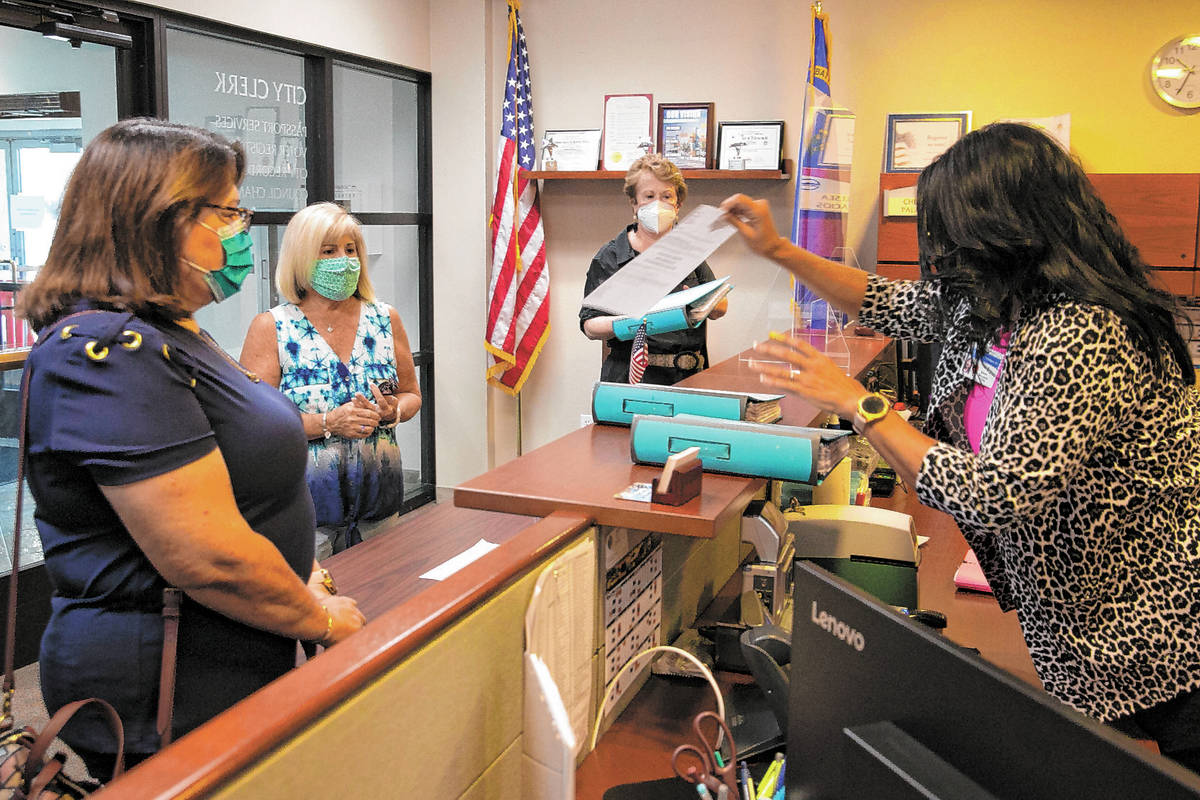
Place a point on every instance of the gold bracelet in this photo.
(323, 641)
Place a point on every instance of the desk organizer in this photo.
(684, 486)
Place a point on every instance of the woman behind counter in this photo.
(1070, 457)
(343, 358)
(154, 457)
(656, 191)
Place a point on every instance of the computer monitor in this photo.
(882, 707)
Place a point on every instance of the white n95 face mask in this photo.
(657, 216)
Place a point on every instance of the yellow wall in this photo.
(998, 59)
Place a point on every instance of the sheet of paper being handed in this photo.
(652, 275)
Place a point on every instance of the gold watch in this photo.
(327, 581)
(871, 408)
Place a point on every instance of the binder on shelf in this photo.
(776, 452)
(675, 312)
(617, 403)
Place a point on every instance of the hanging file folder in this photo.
(675, 312)
(777, 452)
(617, 403)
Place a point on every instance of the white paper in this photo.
(547, 743)
(560, 630)
(651, 276)
(27, 211)
(571, 150)
(453, 565)
(627, 133)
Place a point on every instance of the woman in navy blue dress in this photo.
(155, 458)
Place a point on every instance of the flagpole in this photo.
(518, 396)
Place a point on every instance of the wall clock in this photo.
(1175, 72)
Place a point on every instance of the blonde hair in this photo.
(309, 229)
(659, 167)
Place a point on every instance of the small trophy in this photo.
(548, 148)
(737, 162)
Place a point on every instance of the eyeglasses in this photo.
(229, 212)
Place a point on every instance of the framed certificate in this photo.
(832, 144)
(915, 140)
(750, 145)
(628, 132)
(577, 150)
(685, 134)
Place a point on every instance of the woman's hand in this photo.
(752, 218)
(387, 405)
(811, 375)
(344, 618)
(357, 419)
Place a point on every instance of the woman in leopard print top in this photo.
(1081, 493)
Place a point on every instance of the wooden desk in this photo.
(638, 745)
(378, 692)
(582, 471)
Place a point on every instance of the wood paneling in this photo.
(1160, 213)
(902, 272)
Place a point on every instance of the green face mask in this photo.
(336, 278)
(239, 261)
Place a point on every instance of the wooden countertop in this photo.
(582, 471)
(403, 612)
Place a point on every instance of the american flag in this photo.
(639, 357)
(518, 321)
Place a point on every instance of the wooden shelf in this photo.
(688, 174)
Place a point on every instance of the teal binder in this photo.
(617, 403)
(776, 452)
(674, 312)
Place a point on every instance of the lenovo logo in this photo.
(835, 627)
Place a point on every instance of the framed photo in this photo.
(750, 145)
(576, 151)
(832, 144)
(628, 129)
(685, 134)
(915, 140)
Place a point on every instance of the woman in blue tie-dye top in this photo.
(343, 358)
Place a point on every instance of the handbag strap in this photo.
(37, 753)
(166, 676)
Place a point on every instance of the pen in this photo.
(702, 791)
(766, 786)
(747, 781)
(722, 792)
(780, 788)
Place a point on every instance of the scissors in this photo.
(699, 764)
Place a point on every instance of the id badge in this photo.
(989, 367)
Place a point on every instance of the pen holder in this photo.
(684, 486)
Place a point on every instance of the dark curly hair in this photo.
(137, 188)
(1007, 219)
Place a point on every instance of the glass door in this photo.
(54, 98)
